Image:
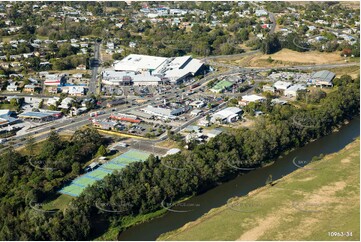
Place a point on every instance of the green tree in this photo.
(101, 151)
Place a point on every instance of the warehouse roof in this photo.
(135, 62)
(324, 75)
(222, 85)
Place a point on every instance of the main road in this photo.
(94, 64)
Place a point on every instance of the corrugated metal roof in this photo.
(324, 75)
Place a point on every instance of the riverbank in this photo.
(307, 204)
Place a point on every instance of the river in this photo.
(242, 185)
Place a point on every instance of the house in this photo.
(194, 137)
(227, 115)
(66, 103)
(29, 88)
(132, 44)
(28, 55)
(250, 98)
(261, 12)
(279, 101)
(292, 90)
(81, 67)
(53, 101)
(12, 87)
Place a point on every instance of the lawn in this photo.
(304, 205)
(61, 202)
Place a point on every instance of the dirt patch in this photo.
(326, 193)
(258, 231)
(306, 179)
(286, 56)
(346, 160)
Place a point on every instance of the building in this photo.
(12, 87)
(267, 88)
(53, 101)
(227, 115)
(213, 133)
(193, 128)
(30, 88)
(152, 70)
(147, 79)
(135, 63)
(76, 91)
(292, 90)
(261, 12)
(322, 78)
(281, 85)
(6, 119)
(196, 112)
(164, 113)
(250, 98)
(221, 86)
(66, 103)
(113, 103)
(115, 78)
(197, 104)
(125, 117)
(204, 122)
(54, 80)
(40, 116)
(178, 69)
(81, 67)
(108, 125)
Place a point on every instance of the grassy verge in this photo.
(304, 205)
(353, 71)
(127, 222)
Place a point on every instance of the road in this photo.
(273, 20)
(94, 64)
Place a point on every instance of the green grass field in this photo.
(61, 202)
(304, 205)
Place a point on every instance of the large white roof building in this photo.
(136, 63)
(227, 115)
(152, 70)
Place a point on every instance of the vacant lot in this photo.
(285, 57)
(304, 205)
(310, 57)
